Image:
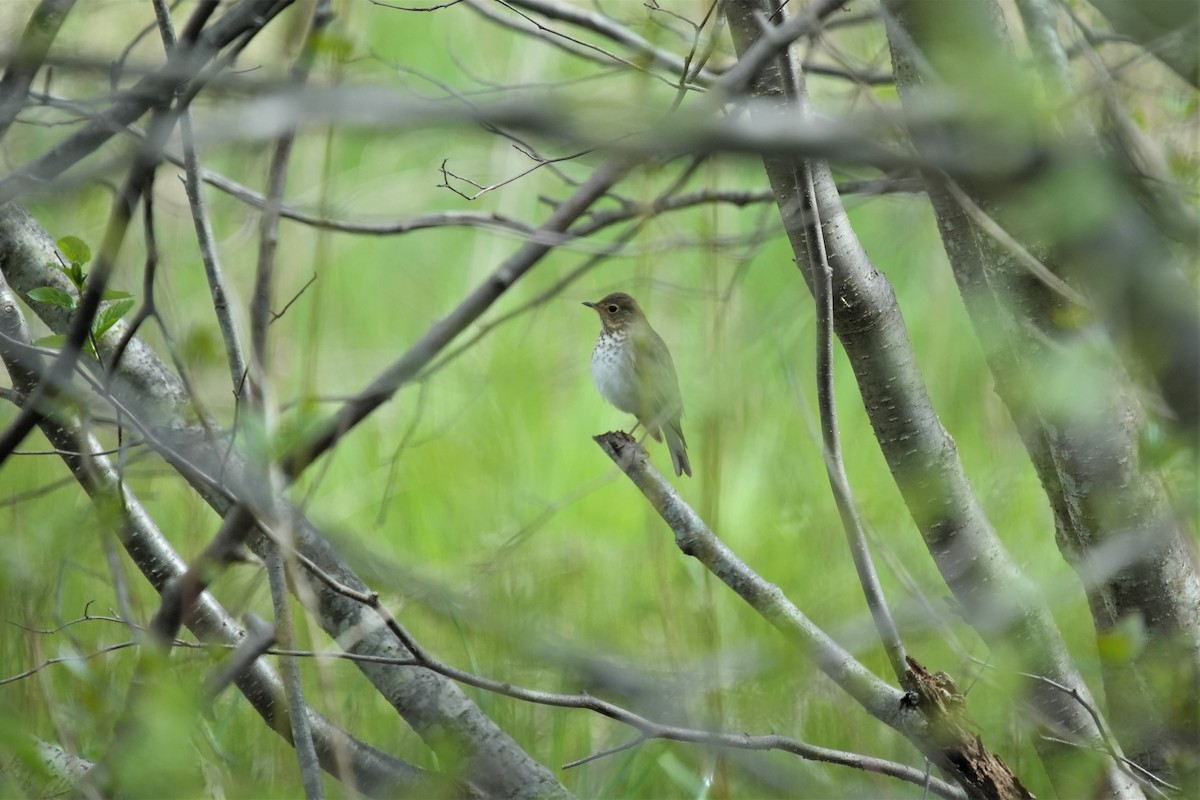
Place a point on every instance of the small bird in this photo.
(633, 370)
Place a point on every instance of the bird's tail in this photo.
(678, 447)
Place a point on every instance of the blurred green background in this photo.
(475, 501)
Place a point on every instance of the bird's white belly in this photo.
(613, 374)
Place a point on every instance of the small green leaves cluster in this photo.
(116, 304)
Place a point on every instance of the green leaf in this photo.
(115, 294)
(109, 315)
(52, 297)
(74, 250)
(75, 272)
(54, 340)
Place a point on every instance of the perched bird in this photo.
(633, 370)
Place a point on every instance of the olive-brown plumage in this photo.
(633, 370)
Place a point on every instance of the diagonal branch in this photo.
(932, 716)
(184, 64)
(435, 708)
(32, 48)
(998, 600)
(695, 539)
(445, 330)
(374, 772)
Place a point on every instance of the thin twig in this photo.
(1139, 773)
(239, 24)
(1018, 251)
(609, 250)
(822, 282)
(261, 400)
(445, 330)
(647, 729)
(650, 729)
(205, 239)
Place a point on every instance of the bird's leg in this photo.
(645, 432)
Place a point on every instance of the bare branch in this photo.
(442, 333)
(31, 52)
(205, 239)
(375, 772)
(694, 538)
(184, 64)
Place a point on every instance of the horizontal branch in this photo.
(634, 133)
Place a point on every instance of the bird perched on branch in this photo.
(633, 370)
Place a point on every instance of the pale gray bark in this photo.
(435, 707)
(997, 598)
(1114, 521)
(371, 771)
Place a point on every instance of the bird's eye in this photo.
(613, 309)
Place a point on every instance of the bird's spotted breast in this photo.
(613, 372)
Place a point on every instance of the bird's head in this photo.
(618, 311)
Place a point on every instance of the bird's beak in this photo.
(590, 305)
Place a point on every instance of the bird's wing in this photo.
(656, 374)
